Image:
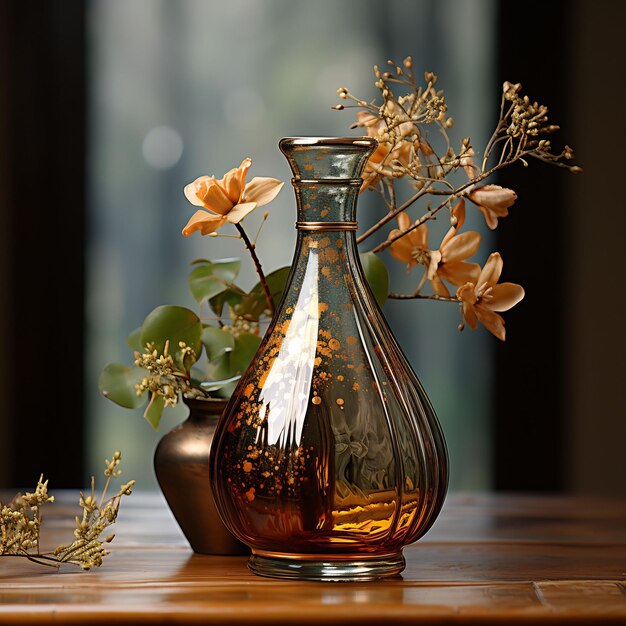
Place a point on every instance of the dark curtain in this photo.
(529, 446)
(43, 213)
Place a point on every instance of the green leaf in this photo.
(218, 345)
(176, 324)
(216, 342)
(117, 383)
(216, 385)
(154, 410)
(219, 368)
(228, 356)
(226, 269)
(245, 348)
(211, 278)
(204, 285)
(255, 303)
(377, 276)
(228, 296)
(134, 340)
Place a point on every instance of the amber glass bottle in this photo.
(329, 457)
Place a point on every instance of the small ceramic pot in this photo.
(181, 464)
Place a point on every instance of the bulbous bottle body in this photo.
(329, 457)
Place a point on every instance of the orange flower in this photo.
(483, 298)
(467, 163)
(448, 262)
(493, 202)
(412, 248)
(372, 123)
(380, 162)
(377, 125)
(228, 199)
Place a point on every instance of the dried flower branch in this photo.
(401, 123)
(164, 380)
(20, 524)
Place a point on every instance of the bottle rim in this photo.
(368, 143)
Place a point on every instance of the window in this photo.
(184, 88)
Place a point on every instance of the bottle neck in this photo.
(326, 205)
(326, 221)
(332, 257)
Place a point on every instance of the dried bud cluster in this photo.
(20, 520)
(241, 326)
(164, 379)
(523, 122)
(399, 125)
(20, 524)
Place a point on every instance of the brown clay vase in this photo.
(181, 464)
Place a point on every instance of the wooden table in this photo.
(489, 559)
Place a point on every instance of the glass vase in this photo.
(329, 457)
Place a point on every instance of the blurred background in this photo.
(108, 108)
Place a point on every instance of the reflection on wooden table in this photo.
(495, 558)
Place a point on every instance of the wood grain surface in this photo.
(489, 559)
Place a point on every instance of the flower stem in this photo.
(257, 264)
(40, 559)
(392, 213)
(419, 296)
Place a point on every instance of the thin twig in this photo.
(418, 296)
(224, 235)
(431, 212)
(40, 559)
(493, 139)
(422, 282)
(392, 194)
(387, 218)
(427, 189)
(257, 264)
(258, 232)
